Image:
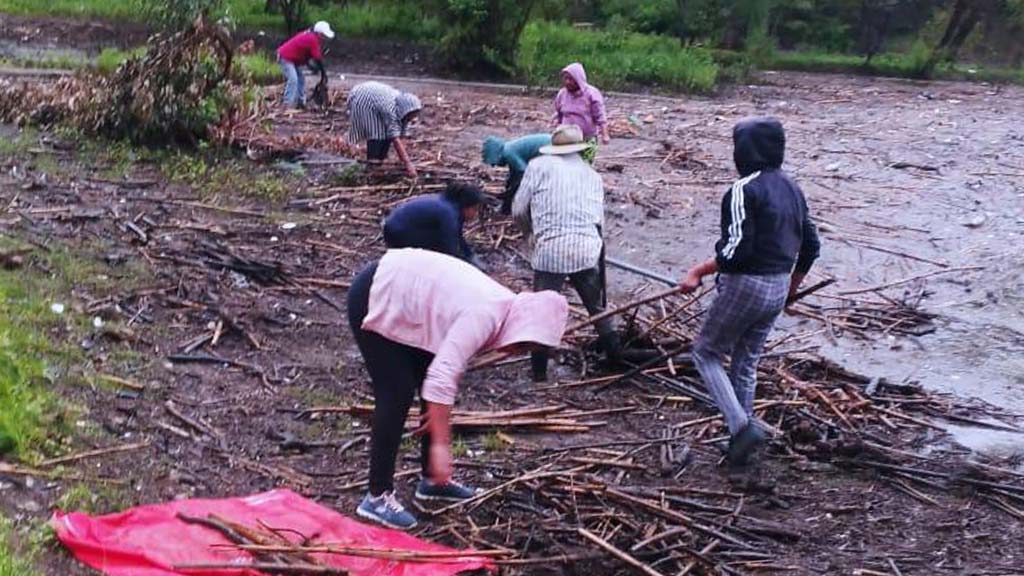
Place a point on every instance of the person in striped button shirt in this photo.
(380, 116)
(560, 203)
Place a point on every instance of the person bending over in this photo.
(418, 318)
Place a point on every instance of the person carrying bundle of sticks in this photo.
(418, 318)
(768, 243)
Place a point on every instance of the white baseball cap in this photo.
(324, 29)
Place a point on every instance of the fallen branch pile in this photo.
(580, 505)
(163, 95)
(869, 319)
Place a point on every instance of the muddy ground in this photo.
(928, 170)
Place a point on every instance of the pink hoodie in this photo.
(443, 305)
(584, 108)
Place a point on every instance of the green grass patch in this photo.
(493, 442)
(213, 174)
(378, 19)
(110, 58)
(14, 561)
(613, 60)
(32, 358)
(50, 62)
(257, 68)
(26, 138)
(111, 9)
(40, 328)
(101, 499)
(910, 64)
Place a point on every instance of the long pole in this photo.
(641, 271)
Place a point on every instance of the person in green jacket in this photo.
(515, 154)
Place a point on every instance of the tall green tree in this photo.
(293, 11)
(483, 35)
(174, 15)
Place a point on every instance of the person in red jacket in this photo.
(300, 50)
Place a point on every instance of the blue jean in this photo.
(295, 84)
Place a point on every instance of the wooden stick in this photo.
(644, 568)
(643, 366)
(121, 382)
(384, 553)
(903, 416)
(660, 536)
(808, 291)
(94, 453)
(195, 424)
(909, 280)
(538, 473)
(269, 568)
(235, 211)
(898, 253)
(705, 550)
(626, 307)
(565, 559)
(654, 508)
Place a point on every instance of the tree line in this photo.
(484, 34)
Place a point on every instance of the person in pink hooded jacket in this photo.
(418, 318)
(581, 104)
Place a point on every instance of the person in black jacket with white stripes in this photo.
(768, 243)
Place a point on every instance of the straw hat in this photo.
(566, 139)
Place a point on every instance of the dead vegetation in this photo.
(171, 93)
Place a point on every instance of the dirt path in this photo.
(290, 350)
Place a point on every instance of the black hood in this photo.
(759, 144)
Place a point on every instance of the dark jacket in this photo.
(428, 222)
(765, 225)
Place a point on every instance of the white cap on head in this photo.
(324, 29)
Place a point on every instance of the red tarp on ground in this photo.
(149, 540)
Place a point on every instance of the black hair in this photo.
(463, 195)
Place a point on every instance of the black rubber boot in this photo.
(612, 347)
(745, 444)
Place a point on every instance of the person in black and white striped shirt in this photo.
(560, 202)
(380, 116)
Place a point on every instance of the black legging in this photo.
(396, 374)
(515, 178)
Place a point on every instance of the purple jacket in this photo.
(584, 108)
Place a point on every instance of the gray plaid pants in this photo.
(737, 325)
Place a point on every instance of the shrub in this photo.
(613, 59)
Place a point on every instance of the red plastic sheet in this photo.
(150, 540)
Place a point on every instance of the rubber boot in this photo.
(612, 347)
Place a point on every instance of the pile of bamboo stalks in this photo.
(273, 552)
